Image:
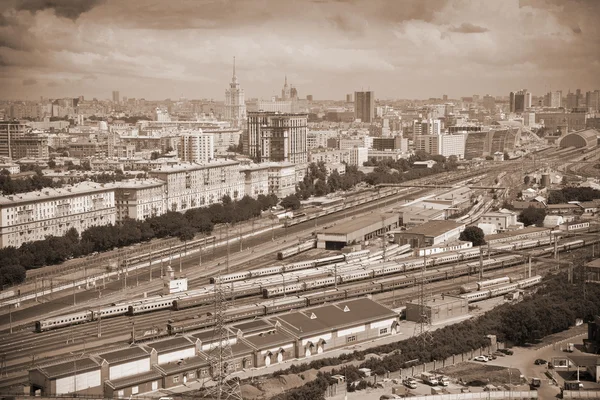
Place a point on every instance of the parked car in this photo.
(508, 352)
(540, 361)
(491, 357)
(410, 383)
(481, 358)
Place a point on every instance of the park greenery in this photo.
(53, 250)
(553, 308)
(570, 193)
(532, 216)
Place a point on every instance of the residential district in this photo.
(160, 249)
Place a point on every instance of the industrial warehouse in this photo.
(154, 365)
(356, 230)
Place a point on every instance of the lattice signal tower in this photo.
(422, 332)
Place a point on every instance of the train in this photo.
(501, 289)
(161, 253)
(472, 287)
(279, 269)
(331, 275)
(294, 250)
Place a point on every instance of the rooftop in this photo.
(272, 338)
(441, 300)
(139, 184)
(65, 368)
(187, 364)
(125, 354)
(434, 228)
(355, 224)
(51, 193)
(333, 316)
(133, 380)
(518, 232)
(194, 167)
(171, 344)
(252, 326)
(562, 205)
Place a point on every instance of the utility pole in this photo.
(241, 239)
(227, 232)
(480, 263)
(384, 238)
(99, 324)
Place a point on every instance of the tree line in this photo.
(10, 186)
(567, 194)
(53, 250)
(553, 308)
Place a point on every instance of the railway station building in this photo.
(337, 325)
(271, 344)
(356, 230)
(437, 309)
(430, 234)
(585, 138)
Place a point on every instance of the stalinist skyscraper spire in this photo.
(235, 106)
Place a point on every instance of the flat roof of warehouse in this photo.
(124, 354)
(274, 338)
(65, 368)
(334, 316)
(358, 223)
(171, 344)
(434, 227)
(185, 365)
(252, 326)
(517, 232)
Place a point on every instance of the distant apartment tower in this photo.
(273, 136)
(489, 103)
(196, 147)
(592, 100)
(349, 98)
(309, 97)
(364, 106)
(115, 96)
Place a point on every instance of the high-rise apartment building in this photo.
(511, 102)
(196, 147)
(8, 132)
(273, 136)
(349, 98)
(489, 102)
(115, 96)
(364, 106)
(286, 92)
(592, 100)
(235, 106)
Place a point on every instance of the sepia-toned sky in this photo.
(398, 48)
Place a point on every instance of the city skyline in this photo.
(404, 49)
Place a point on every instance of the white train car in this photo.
(163, 304)
(528, 282)
(112, 311)
(492, 282)
(503, 289)
(63, 320)
(355, 276)
(266, 271)
(299, 265)
(476, 296)
(236, 276)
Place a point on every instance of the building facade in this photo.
(196, 147)
(193, 186)
(277, 137)
(52, 212)
(140, 200)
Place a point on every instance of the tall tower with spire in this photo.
(235, 105)
(286, 91)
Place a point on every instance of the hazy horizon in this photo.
(405, 49)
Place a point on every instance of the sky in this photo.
(409, 49)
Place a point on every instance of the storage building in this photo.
(437, 309)
(356, 230)
(430, 233)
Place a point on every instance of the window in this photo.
(120, 393)
(175, 379)
(191, 375)
(135, 390)
(155, 385)
(383, 331)
(351, 339)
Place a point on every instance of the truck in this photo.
(429, 378)
(443, 380)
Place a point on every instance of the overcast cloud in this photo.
(399, 48)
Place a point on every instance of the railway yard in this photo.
(269, 271)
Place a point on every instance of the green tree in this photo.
(532, 216)
(556, 197)
(473, 234)
(291, 201)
